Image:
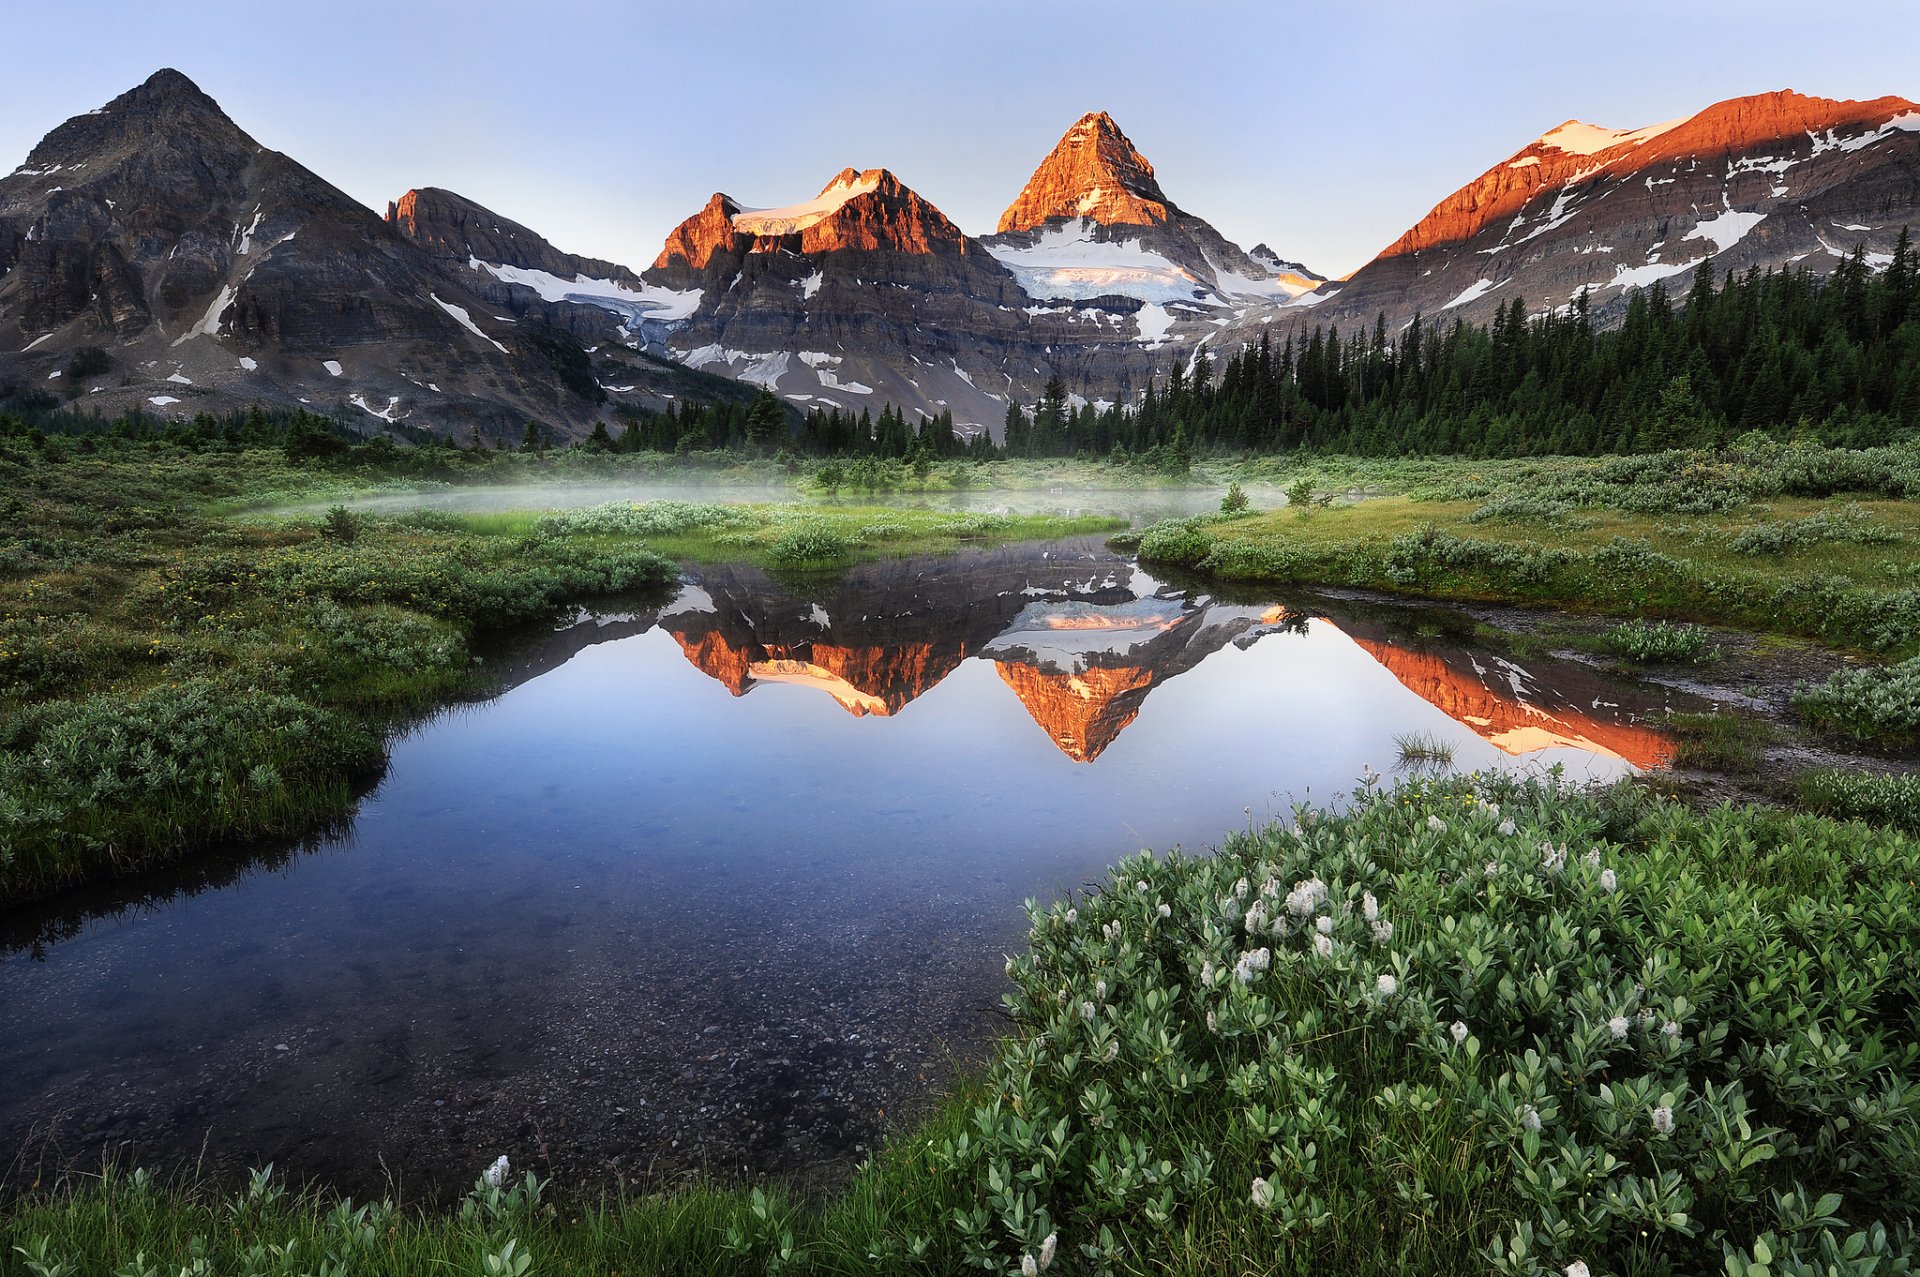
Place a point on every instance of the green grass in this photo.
(775, 534)
(1718, 742)
(1458, 1027)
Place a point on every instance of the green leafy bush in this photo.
(1660, 643)
(1875, 797)
(641, 519)
(1879, 705)
(1181, 542)
(180, 763)
(1465, 1026)
(808, 543)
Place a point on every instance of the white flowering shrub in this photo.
(1467, 1025)
(640, 519)
(1877, 704)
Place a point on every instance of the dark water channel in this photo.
(725, 881)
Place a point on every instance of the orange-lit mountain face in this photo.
(871, 211)
(1767, 181)
(1093, 172)
(1492, 703)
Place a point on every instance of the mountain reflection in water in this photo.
(1081, 641)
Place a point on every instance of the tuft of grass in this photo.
(1417, 750)
(1718, 742)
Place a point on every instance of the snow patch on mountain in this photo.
(1067, 261)
(649, 301)
(1727, 229)
(793, 218)
(1576, 138)
(465, 320)
(1472, 292)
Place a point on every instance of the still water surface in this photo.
(726, 879)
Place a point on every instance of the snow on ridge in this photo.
(1577, 138)
(792, 218)
(385, 414)
(465, 320)
(649, 301)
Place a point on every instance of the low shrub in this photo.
(1660, 643)
(641, 519)
(1879, 705)
(1875, 797)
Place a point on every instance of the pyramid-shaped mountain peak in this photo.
(1094, 172)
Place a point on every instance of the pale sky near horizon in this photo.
(1323, 129)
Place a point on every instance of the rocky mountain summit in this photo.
(216, 273)
(1768, 181)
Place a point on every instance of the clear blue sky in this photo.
(1324, 129)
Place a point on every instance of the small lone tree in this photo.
(1235, 502)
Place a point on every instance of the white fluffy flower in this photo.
(1213, 1023)
(1592, 858)
(1251, 964)
(1552, 858)
(1671, 1028)
(1262, 1193)
(1493, 869)
(1206, 973)
(1073, 916)
(1436, 824)
(1323, 945)
(1508, 828)
(1047, 1248)
(1305, 897)
(1578, 1269)
(1241, 888)
(1112, 1052)
(1386, 985)
(1166, 910)
(496, 1175)
(1100, 990)
(1112, 930)
(1369, 907)
(1459, 1032)
(1029, 1266)
(1618, 1027)
(1324, 925)
(1530, 1117)
(1256, 917)
(1608, 883)
(1663, 1120)
(1141, 886)
(1086, 1010)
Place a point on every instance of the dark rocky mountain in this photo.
(1766, 181)
(217, 274)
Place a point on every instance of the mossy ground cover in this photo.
(1460, 1026)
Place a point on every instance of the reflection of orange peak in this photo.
(1511, 725)
(1102, 621)
(1083, 712)
(868, 679)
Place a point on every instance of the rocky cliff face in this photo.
(219, 274)
(1765, 181)
(1093, 172)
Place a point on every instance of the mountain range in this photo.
(213, 273)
